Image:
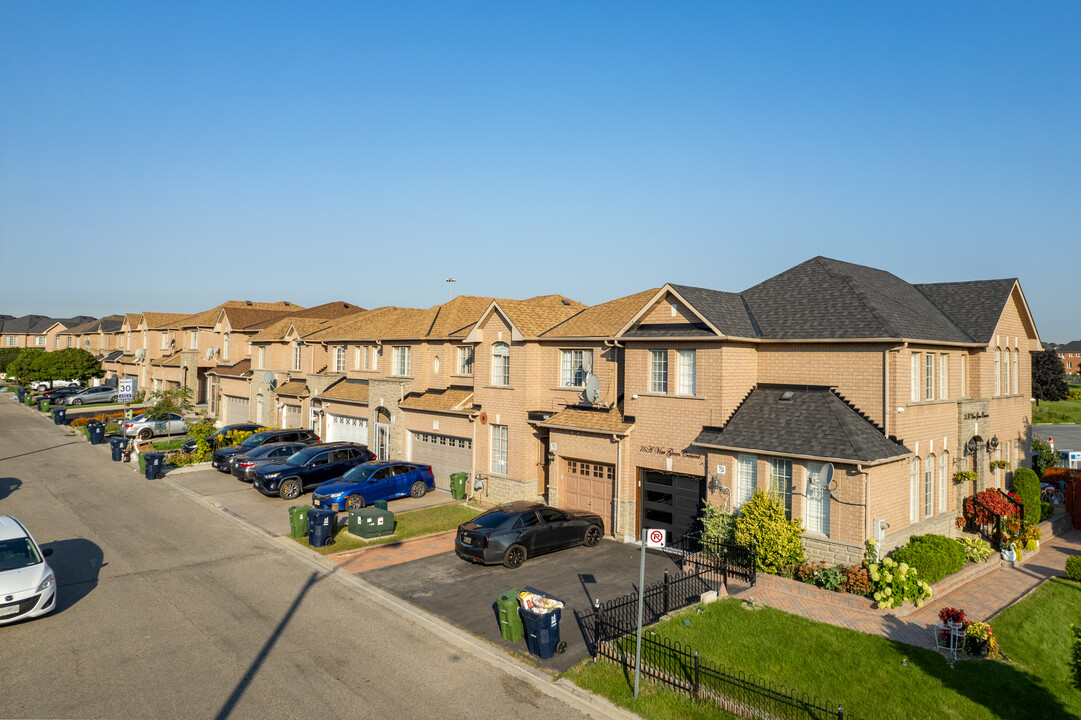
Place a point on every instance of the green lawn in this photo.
(873, 677)
(171, 444)
(1056, 413)
(406, 525)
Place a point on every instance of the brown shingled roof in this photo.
(535, 315)
(381, 323)
(296, 388)
(161, 321)
(246, 317)
(238, 370)
(608, 421)
(347, 391)
(207, 318)
(278, 329)
(449, 400)
(604, 320)
(458, 316)
(170, 361)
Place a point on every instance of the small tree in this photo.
(72, 364)
(762, 522)
(1027, 486)
(1048, 377)
(717, 525)
(176, 400)
(7, 356)
(1045, 456)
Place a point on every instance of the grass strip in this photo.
(414, 523)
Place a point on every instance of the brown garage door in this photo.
(589, 486)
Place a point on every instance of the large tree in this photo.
(71, 364)
(27, 365)
(1048, 377)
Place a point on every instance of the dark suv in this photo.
(215, 440)
(308, 468)
(222, 458)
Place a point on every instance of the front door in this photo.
(382, 441)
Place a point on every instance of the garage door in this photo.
(343, 428)
(234, 410)
(445, 453)
(671, 502)
(588, 486)
(291, 416)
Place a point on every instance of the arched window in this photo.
(929, 486)
(943, 479)
(225, 346)
(501, 364)
(914, 490)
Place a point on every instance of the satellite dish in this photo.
(825, 478)
(268, 377)
(593, 388)
(140, 354)
(209, 353)
(172, 344)
(86, 343)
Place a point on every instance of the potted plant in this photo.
(1000, 464)
(965, 476)
(951, 616)
(980, 640)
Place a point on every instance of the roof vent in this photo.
(787, 396)
(248, 302)
(566, 302)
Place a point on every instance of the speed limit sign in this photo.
(655, 538)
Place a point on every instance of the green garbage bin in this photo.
(510, 622)
(298, 521)
(381, 504)
(43, 404)
(457, 485)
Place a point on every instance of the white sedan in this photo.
(144, 429)
(27, 583)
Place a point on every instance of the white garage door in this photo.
(234, 410)
(342, 428)
(445, 453)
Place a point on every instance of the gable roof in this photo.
(293, 388)
(452, 399)
(604, 320)
(605, 421)
(208, 318)
(385, 323)
(348, 391)
(975, 306)
(814, 423)
(163, 321)
(239, 369)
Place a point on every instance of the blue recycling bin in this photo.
(59, 415)
(116, 444)
(21, 392)
(542, 629)
(153, 464)
(96, 431)
(321, 525)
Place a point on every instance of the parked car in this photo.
(27, 583)
(100, 394)
(243, 465)
(373, 481)
(514, 531)
(53, 384)
(309, 468)
(144, 429)
(216, 439)
(220, 460)
(55, 396)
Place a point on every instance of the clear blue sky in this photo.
(179, 154)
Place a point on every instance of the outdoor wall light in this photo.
(971, 446)
(992, 444)
(714, 484)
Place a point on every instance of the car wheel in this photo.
(77, 401)
(593, 536)
(355, 502)
(514, 557)
(146, 434)
(418, 490)
(290, 489)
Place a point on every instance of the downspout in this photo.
(619, 485)
(472, 458)
(867, 533)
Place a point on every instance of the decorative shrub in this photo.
(717, 525)
(1031, 546)
(976, 515)
(893, 583)
(976, 632)
(1073, 567)
(934, 556)
(857, 581)
(1047, 511)
(830, 578)
(976, 549)
(805, 572)
(1019, 551)
(1076, 660)
(79, 422)
(762, 521)
(1027, 487)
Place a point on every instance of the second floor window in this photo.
(501, 364)
(339, 359)
(929, 377)
(998, 377)
(165, 341)
(914, 380)
(402, 360)
(943, 376)
(225, 346)
(575, 365)
(686, 372)
(465, 360)
(296, 355)
(658, 371)
(262, 357)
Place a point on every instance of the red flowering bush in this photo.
(857, 581)
(976, 515)
(951, 615)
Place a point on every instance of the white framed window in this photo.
(262, 357)
(746, 478)
(780, 482)
(687, 372)
(573, 367)
(465, 360)
(658, 371)
(915, 378)
(929, 377)
(339, 358)
(145, 346)
(225, 346)
(358, 357)
(929, 486)
(296, 355)
(40, 341)
(127, 341)
(247, 349)
(403, 359)
(259, 409)
(943, 479)
(501, 364)
(818, 499)
(1006, 373)
(1016, 362)
(499, 449)
(914, 490)
(998, 373)
(165, 341)
(10, 341)
(964, 379)
(943, 376)
(193, 340)
(69, 341)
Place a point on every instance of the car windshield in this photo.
(254, 440)
(360, 473)
(302, 457)
(494, 518)
(18, 553)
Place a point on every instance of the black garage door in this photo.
(671, 502)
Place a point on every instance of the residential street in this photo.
(170, 609)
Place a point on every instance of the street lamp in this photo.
(450, 284)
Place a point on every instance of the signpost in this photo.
(650, 538)
(126, 389)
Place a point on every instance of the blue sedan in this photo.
(373, 481)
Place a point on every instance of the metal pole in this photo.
(638, 645)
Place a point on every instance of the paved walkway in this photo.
(981, 599)
(380, 556)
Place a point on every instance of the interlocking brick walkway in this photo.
(981, 599)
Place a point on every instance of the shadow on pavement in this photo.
(77, 564)
(34, 452)
(9, 485)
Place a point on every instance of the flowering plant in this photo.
(893, 583)
(951, 615)
(980, 632)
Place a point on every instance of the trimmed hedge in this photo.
(1027, 487)
(1073, 567)
(934, 556)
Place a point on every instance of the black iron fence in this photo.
(718, 560)
(993, 529)
(619, 617)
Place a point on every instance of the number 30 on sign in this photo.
(655, 538)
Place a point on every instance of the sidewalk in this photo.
(981, 599)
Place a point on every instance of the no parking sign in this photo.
(655, 538)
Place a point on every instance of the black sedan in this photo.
(309, 468)
(244, 465)
(514, 531)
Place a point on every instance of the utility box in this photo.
(1070, 459)
(371, 522)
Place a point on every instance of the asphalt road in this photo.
(171, 609)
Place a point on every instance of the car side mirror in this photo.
(47, 552)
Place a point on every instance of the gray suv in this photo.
(222, 459)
